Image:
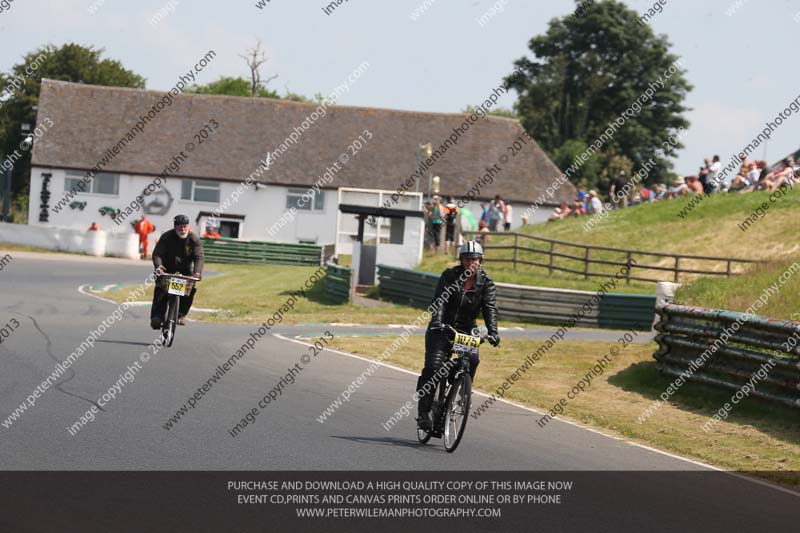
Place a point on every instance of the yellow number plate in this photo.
(177, 286)
(467, 340)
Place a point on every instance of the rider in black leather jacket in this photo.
(463, 292)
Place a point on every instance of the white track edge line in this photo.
(569, 422)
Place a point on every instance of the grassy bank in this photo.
(756, 437)
(739, 292)
(711, 229)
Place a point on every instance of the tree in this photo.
(587, 174)
(497, 112)
(587, 70)
(20, 92)
(254, 59)
(231, 87)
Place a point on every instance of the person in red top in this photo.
(144, 228)
(94, 227)
(211, 232)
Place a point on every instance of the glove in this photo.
(197, 275)
(494, 340)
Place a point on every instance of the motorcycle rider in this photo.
(178, 250)
(470, 291)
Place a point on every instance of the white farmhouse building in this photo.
(206, 146)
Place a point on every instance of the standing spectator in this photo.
(437, 220)
(507, 217)
(94, 227)
(619, 191)
(483, 229)
(450, 219)
(485, 212)
(715, 177)
(704, 178)
(495, 213)
(144, 228)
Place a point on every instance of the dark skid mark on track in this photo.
(48, 347)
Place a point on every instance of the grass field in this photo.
(757, 436)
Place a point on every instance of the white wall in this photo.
(97, 243)
(261, 208)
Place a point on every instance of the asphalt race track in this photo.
(41, 292)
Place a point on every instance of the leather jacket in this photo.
(461, 308)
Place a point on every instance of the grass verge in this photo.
(756, 437)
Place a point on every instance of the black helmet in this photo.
(180, 220)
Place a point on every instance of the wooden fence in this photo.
(589, 255)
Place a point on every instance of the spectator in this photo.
(693, 185)
(144, 228)
(577, 209)
(763, 177)
(595, 203)
(745, 179)
(437, 220)
(495, 213)
(715, 177)
(211, 232)
(507, 217)
(485, 212)
(619, 191)
(483, 229)
(780, 177)
(450, 219)
(561, 212)
(705, 180)
(94, 227)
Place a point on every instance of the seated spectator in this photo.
(94, 227)
(659, 192)
(763, 182)
(679, 188)
(594, 203)
(577, 209)
(561, 212)
(780, 177)
(694, 185)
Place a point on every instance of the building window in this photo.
(200, 191)
(294, 198)
(101, 183)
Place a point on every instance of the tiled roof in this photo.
(90, 119)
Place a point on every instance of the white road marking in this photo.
(570, 422)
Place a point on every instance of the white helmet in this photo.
(471, 249)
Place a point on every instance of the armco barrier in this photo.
(523, 303)
(337, 283)
(97, 243)
(256, 252)
(691, 344)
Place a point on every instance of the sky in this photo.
(738, 54)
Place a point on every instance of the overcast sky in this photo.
(741, 64)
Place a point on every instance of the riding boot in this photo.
(425, 403)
